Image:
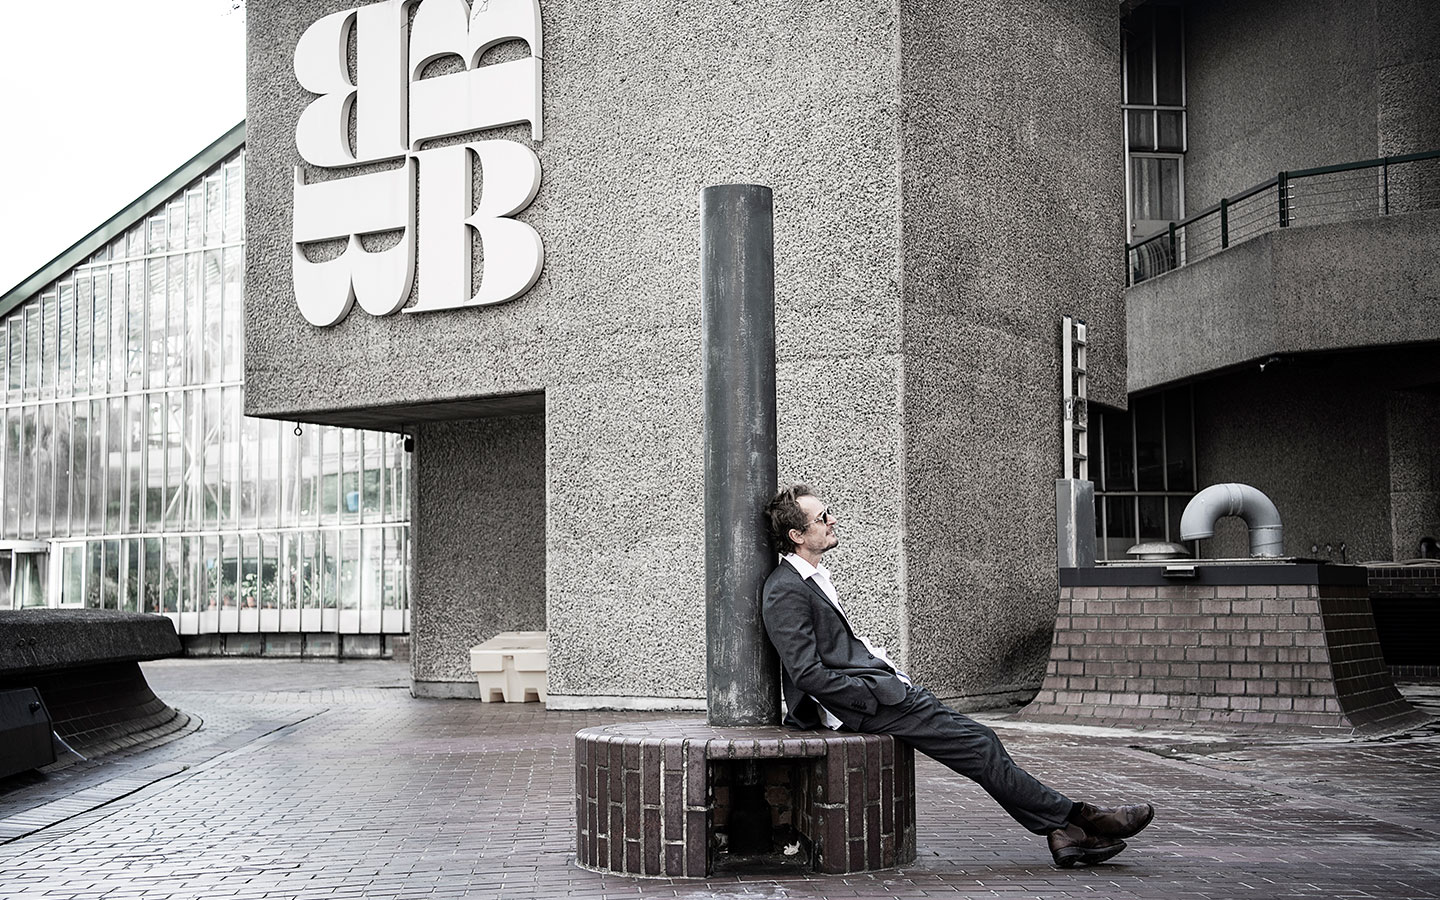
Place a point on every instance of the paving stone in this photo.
(353, 789)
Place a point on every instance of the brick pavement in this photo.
(353, 789)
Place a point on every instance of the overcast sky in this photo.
(99, 100)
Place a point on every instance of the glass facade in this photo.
(129, 479)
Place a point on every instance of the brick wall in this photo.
(650, 796)
(1265, 655)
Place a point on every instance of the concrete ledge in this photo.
(636, 704)
(44, 640)
(445, 690)
(655, 798)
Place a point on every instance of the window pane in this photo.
(156, 413)
(1119, 457)
(1119, 524)
(99, 456)
(307, 571)
(176, 596)
(29, 431)
(48, 349)
(72, 574)
(15, 366)
(94, 574)
(1171, 131)
(33, 344)
(132, 567)
(61, 469)
(81, 456)
(211, 324)
(84, 337)
(153, 573)
(1179, 432)
(173, 325)
(268, 474)
(118, 333)
(194, 216)
(269, 572)
(234, 200)
(1141, 125)
(134, 462)
(14, 466)
(65, 384)
(1152, 519)
(1139, 47)
(249, 468)
(330, 585)
(100, 331)
(156, 319)
(211, 554)
(1149, 449)
(114, 464)
(1155, 188)
(1169, 56)
(135, 290)
(233, 304)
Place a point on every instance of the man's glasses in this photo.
(821, 518)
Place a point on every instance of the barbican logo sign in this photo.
(395, 110)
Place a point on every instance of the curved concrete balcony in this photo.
(1348, 285)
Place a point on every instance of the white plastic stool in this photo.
(511, 664)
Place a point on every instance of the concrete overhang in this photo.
(1366, 283)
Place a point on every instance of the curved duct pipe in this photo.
(1220, 500)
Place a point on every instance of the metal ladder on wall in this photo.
(1077, 411)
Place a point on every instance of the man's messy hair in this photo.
(783, 513)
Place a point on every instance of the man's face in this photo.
(819, 532)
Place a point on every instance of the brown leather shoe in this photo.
(1071, 845)
(1115, 822)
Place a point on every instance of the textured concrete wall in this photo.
(1407, 59)
(1408, 94)
(478, 526)
(1312, 436)
(1413, 426)
(1348, 285)
(1276, 86)
(1011, 213)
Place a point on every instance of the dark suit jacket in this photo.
(822, 658)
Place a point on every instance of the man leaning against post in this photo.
(835, 678)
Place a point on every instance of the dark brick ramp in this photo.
(354, 790)
(1250, 647)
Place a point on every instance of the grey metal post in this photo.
(737, 336)
(1075, 523)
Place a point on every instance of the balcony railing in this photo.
(1358, 190)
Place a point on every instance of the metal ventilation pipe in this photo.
(1220, 500)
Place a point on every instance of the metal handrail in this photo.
(1170, 249)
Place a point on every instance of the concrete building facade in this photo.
(946, 187)
(949, 181)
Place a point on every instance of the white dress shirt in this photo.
(821, 576)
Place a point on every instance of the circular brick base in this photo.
(651, 798)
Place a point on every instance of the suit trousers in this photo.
(972, 750)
